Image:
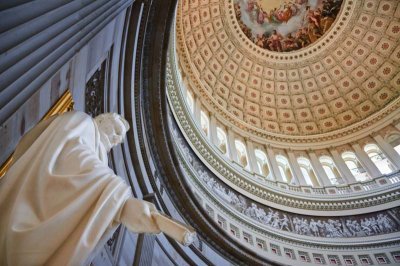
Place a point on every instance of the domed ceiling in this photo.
(333, 65)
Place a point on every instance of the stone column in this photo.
(145, 243)
(252, 157)
(389, 151)
(213, 130)
(319, 170)
(274, 164)
(51, 36)
(342, 167)
(396, 124)
(231, 146)
(79, 69)
(184, 84)
(296, 169)
(366, 162)
(197, 111)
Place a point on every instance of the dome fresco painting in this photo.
(284, 26)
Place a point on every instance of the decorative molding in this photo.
(271, 235)
(268, 191)
(94, 92)
(244, 208)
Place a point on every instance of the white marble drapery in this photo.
(60, 199)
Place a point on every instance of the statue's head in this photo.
(113, 128)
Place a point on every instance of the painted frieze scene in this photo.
(284, 26)
(376, 223)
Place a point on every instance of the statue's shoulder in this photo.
(76, 116)
(75, 120)
(75, 113)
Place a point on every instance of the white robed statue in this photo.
(60, 198)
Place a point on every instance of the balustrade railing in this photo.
(341, 189)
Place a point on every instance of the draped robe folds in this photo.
(59, 198)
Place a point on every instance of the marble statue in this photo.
(60, 200)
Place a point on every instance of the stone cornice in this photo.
(263, 193)
(335, 244)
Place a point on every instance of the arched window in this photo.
(394, 140)
(242, 154)
(222, 140)
(205, 123)
(284, 168)
(190, 101)
(262, 162)
(355, 166)
(307, 171)
(330, 170)
(378, 158)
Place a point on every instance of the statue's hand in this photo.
(142, 217)
(137, 216)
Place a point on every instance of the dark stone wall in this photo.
(31, 111)
(46, 49)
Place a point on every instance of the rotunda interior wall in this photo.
(215, 201)
(314, 103)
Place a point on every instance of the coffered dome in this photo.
(344, 81)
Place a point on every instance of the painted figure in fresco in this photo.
(284, 223)
(289, 43)
(275, 41)
(302, 39)
(275, 220)
(313, 16)
(297, 22)
(284, 14)
(374, 225)
(353, 226)
(262, 15)
(314, 227)
(385, 223)
(250, 5)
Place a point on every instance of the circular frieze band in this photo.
(271, 193)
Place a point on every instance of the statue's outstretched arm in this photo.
(142, 217)
(137, 216)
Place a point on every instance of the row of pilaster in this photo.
(345, 173)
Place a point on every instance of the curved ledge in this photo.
(288, 197)
(269, 221)
(150, 147)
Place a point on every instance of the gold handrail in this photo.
(64, 104)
